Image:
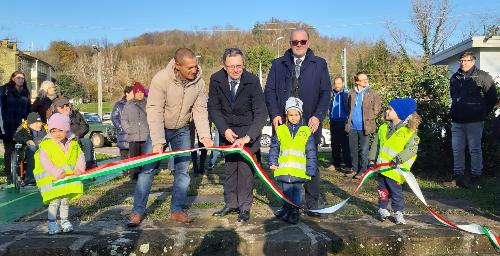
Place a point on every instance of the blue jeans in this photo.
(214, 154)
(293, 191)
(467, 134)
(30, 163)
(390, 189)
(359, 143)
(178, 140)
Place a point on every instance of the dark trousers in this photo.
(124, 153)
(135, 148)
(340, 144)
(198, 167)
(389, 189)
(312, 190)
(238, 182)
(359, 143)
(9, 147)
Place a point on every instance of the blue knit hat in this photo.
(403, 107)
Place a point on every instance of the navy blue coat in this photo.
(121, 140)
(15, 107)
(314, 87)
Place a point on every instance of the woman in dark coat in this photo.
(121, 140)
(15, 105)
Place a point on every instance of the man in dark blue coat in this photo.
(236, 106)
(299, 73)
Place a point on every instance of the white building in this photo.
(487, 52)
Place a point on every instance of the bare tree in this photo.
(431, 24)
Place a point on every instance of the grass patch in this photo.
(92, 107)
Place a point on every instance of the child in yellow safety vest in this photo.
(397, 143)
(59, 155)
(292, 156)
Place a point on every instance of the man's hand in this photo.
(30, 143)
(207, 142)
(273, 167)
(277, 121)
(239, 143)
(158, 148)
(313, 124)
(230, 135)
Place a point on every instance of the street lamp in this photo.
(278, 45)
(99, 80)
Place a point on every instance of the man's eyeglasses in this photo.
(464, 61)
(233, 67)
(65, 105)
(296, 42)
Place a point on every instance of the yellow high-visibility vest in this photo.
(392, 146)
(66, 161)
(292, 160)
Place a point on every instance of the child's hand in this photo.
(30, 143)
(273, 167)
(61, 175)
(78, 172)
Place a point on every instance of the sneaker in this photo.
(399, 218)
(383, 214)
(54, 228)
(66, 226)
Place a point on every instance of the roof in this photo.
(441, 58)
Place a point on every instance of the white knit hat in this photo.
(293, 103)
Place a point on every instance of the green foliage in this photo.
(64, 53)
(256, 55)
(70, 87)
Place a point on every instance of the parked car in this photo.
(267, 133)
(99, 133)
(106, 116)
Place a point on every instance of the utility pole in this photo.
(99, 80)
(277, 40)
(344, 65)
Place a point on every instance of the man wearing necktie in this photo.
(236, 105)
(299, 73)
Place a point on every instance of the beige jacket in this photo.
(171, 105)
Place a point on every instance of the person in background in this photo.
(338, 116)
(30, 133)
(43, 102)
(135, 123)
(121, 140)
(15, 105)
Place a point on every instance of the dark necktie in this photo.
(233, 90)
(297, 68)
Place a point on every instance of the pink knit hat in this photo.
(58, 121)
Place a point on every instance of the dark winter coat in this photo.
(246, 116)
(15, 106)
(473, 95)
(78, 125)
(24, 134)
(121, 140)
(314, 87)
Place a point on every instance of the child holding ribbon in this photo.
(59, 155)
(292, 156)
(397, 143)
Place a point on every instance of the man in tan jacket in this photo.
(176, 95)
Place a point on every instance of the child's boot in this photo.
(399, 218)
(383, 214)
(54, 228)
(66, 226)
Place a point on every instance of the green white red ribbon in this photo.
(132, 162)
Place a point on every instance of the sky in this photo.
(34, 23)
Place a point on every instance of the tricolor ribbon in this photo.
(132, 162)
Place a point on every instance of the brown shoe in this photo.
(134, 220)
(181, 217)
